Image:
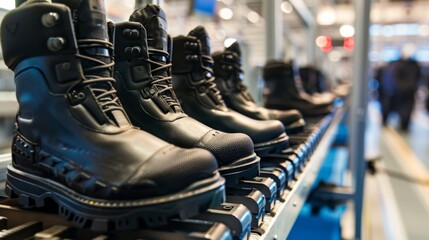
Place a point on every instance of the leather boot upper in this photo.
(195, 85)
(283, 90)
(71, 127)
(143, 80)
(228, 73)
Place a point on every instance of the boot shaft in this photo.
(153, 19)
(21, 30)
(187, 57)
(131, 47)
(135, 79)
(229, 74)
(280, 80)
(39, 44)
(227, 63)
(227, 67)
(192, 72)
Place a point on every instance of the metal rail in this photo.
(359, 103)
(286, 213)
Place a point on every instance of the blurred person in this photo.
(398, 85)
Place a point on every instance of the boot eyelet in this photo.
(66, 66)
(140, 68)
(195, 46)
(55, 44)
(133, 51)
(192, 58)
(126, 32)
(76, 97)
(134, 33)
(50, 19)
(80, 96)
(131, 33)
(208, 75)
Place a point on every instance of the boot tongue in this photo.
(233, 54)
(201, 34)
(152, 17)
(89, 17)
(234, 49)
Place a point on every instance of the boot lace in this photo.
(207, 65)
(162, 83)
(101, 86)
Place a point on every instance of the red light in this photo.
(349, 43)
(324, 43)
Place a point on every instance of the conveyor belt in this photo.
(271, 202)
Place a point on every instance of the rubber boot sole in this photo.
(295, 127)
(273, 146)
(242, 169)
(113, 215)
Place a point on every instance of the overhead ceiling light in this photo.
(226, 13)
(7, 4)
(326, 16)
(253, 17)
(321, 41)
(347, 31)
(324, 43)
(229, 41)
(286, 7)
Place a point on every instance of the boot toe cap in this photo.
(266, 131)
(286, 116)
(171, 170)
(227, 147)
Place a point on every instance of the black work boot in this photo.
(195, 86)
(284, 91)
(309, 80)
(228, 74)
(314, 83)
(143, 81)
(73, 142)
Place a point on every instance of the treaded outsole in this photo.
(274, 146)
(295, 127)
(248, 169)
(113, 215)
